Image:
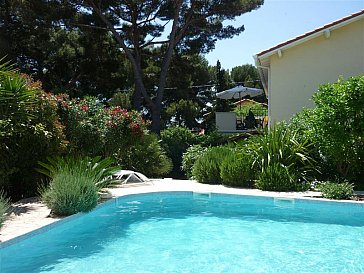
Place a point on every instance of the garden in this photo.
(65, 149)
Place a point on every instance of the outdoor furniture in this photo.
(127, 176)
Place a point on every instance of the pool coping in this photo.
(164, 185)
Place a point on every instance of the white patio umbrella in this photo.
(239, 92)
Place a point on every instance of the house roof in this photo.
(262, 59)
(349, 18)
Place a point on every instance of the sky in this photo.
(275, 22)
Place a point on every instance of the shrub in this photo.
(336, 125)
(122, 129)
(99, 170)
(95, 130)
(337, 190)
(70, 192)
(4, 206)
(29, 131)
(189, 158)
(75, 183)
(122, 99)
(281, 154)
(277, 177)
(207, 167)
(176, 140)
(213, 138)
(146, 156)
(236, 170)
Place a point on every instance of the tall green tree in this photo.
(37, 35)
(192, 26)
(222, 83)
(246, 74)
(183, 113)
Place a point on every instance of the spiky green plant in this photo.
(75, 182)
(99, 170)
(15, 96)
(280, 146)
(70, 192)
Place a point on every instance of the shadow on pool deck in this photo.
(23, 206)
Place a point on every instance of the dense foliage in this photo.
(176, 140)
(207, 167)
(280, 154)
(336, 126)
(75, 183)
(4, 206)
(29, 131)
(236, 170)
(189, 158)
(333, 190)
(95, 130)
(183, 113)
(146, 156)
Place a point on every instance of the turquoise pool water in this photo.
(186, 232)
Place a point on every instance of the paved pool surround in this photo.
(31, 214)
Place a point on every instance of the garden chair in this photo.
(127, 176)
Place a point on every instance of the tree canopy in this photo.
(192, 26)
(152, 48)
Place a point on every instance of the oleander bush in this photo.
(334, 190)
(29, 131)
(92, 129)
(207, 167)
(189, 158)
(4, 206)
(113, 132)
(237, 170)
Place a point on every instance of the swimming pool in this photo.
(192, 232)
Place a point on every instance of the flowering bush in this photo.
(29, 131)
(84, 124)
(93, 129)
(122, 128)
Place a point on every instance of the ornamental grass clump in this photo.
(277, 177)
(284, 161)
(70, 192)
(75, 183)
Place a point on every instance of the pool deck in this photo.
(30, 214)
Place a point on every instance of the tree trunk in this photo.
(156, 119)
(137, 97)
